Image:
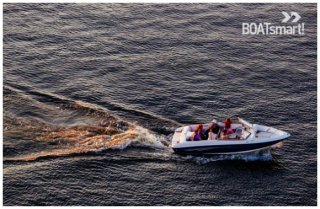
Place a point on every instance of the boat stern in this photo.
(176, 137)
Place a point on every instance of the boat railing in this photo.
(245, 123)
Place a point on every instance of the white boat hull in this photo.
(258, 137)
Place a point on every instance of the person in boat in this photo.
(210, 134)
(227, 123)
(227, 126)
(197, 135)
(213, 131)
(226, 133)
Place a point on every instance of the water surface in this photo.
(93, 93)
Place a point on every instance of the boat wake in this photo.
(57, 126)
(40, 125)
(92, 140)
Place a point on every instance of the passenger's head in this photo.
(212, 125)
(227, 123)
(199, 128)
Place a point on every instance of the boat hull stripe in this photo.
(224, 148)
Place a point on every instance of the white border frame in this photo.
(151, 1)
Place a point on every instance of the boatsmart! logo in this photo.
(291, 26)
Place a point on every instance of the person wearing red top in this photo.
(227, 123)
(227, 128)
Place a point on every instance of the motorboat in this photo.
(246, 137)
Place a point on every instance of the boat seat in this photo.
(192, 128)
(189, 135)
(235, 125)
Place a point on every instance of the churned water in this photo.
(93, 93)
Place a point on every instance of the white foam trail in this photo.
(77, 141)
(278, 145)
(141, 137)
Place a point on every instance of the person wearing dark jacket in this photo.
(213, 129)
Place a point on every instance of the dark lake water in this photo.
(93, 93)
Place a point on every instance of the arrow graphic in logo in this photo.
(297, 16)
(287, 17)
